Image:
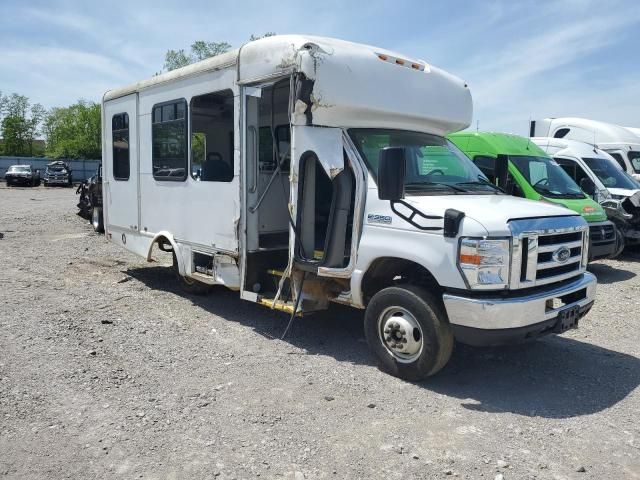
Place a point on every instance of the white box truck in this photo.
(619, 142)
(301, 171)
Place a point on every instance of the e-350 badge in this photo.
(374, 218)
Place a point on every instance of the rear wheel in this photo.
(97, 220)
(408, 332)
(190, 285)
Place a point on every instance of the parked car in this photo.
(22, 175)
(90, 200)
(58, 173)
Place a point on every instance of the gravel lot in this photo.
(108, 370)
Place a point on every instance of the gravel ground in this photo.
(107, 370)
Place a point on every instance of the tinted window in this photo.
(634, 158)
(169, 138)
(574, 170)
(268, 161)
(620, 161)
(610, 175)
(120, 136)
(212, 137)
(433, 163)
(546, 177)
(561, 133)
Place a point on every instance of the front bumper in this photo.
(57, 180)
(501, 320)
(21, 180)
(603, 241)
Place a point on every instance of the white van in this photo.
(622, 144)
(301, 171)
(599, 175)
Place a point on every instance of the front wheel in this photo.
(97, 220)
(408, 332)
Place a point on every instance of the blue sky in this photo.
(521, 59)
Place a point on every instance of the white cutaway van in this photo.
(619, 142)
(302, 170)
(599, 175)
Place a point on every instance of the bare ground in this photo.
(108, 370)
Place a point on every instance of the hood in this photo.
(622, 192)
(493, 212)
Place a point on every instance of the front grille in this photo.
(602, 234)
(547, 251)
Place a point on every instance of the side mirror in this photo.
(392, 167)
(502, 171)
(587, 186)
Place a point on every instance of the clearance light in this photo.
(402, 62)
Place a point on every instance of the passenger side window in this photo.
(169, 138)
(212, 137)
(574, 170)
(120, 141)
(620, 161)
(487, 165)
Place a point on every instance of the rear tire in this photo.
(97, 219)
(189, 285)
(422, 351)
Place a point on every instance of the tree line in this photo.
(75, 131)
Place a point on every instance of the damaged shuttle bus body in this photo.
(302, 171)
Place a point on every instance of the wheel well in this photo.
(163, 243)
(388, 271)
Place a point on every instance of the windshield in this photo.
(634, 158)
(19, 168)
(547, 177)
(434, 164)
(610, 175)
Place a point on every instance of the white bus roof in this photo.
(355, 85)
(590, 131)
(574, 148)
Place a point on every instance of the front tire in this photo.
(97, 219)
(407, 330)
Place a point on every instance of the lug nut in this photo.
(399, 346)
(402, 331)
(387, 330)
(387, 338)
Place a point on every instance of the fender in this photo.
(174, 245)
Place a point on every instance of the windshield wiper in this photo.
(440, 184)
(482, 181)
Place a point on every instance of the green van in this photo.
(532, 174)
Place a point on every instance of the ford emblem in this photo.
(561, 255)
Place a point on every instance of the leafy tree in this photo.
(258, 37)
(199, 51)
(20, 124)
(74, 131)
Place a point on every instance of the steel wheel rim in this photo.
(401, 334)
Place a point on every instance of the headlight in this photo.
(485, 262)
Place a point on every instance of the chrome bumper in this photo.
(517, 311)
